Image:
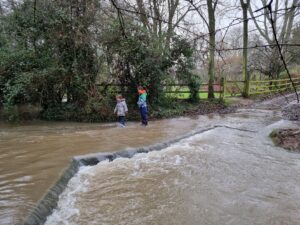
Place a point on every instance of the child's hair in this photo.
(141, 88)
(119, 96)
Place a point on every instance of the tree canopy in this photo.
(58, 52)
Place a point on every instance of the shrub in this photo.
(194, 87)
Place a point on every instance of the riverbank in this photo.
(171, 108)
(104, 112)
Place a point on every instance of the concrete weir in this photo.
(49, 201)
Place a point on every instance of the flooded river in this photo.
(33, 156)
(232, 174)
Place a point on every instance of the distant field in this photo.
(186, 95)
(201, 95)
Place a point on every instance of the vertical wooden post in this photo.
(247, 88)
(246, 91)
(245, 5)
(222, 88)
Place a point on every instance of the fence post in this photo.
(246, 88)
(222, 91)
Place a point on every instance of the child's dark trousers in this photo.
(144, 115)
(122, 120)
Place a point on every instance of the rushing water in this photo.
(232, 174)
(32, 156)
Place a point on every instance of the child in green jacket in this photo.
(142, 103)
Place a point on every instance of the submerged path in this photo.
(228, 171)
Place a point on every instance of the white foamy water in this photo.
(232, 174)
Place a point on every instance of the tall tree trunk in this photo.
(245, 46)
(34, 22)
(212, 46)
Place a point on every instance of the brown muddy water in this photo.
(33, 156)
(232, 174)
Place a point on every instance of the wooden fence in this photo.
(223, 89)
(233, 88)
(271, 86)
(180, 91)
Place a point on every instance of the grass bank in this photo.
(103, 111)
(173, 108)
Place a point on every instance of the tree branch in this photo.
(269, 7)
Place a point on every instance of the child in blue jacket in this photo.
(142, 103)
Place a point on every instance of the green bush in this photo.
(194, 86)
(63, 112)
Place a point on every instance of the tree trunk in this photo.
(245, 46)
(212, 46)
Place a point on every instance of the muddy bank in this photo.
(174, 108)
(288, 139)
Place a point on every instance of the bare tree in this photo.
(283, 18)
(211, 26)
(161, 17)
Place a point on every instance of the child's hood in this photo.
(141, 92)
(122, 100)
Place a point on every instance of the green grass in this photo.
(228, 101)
(201, 95)
(186, 95)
